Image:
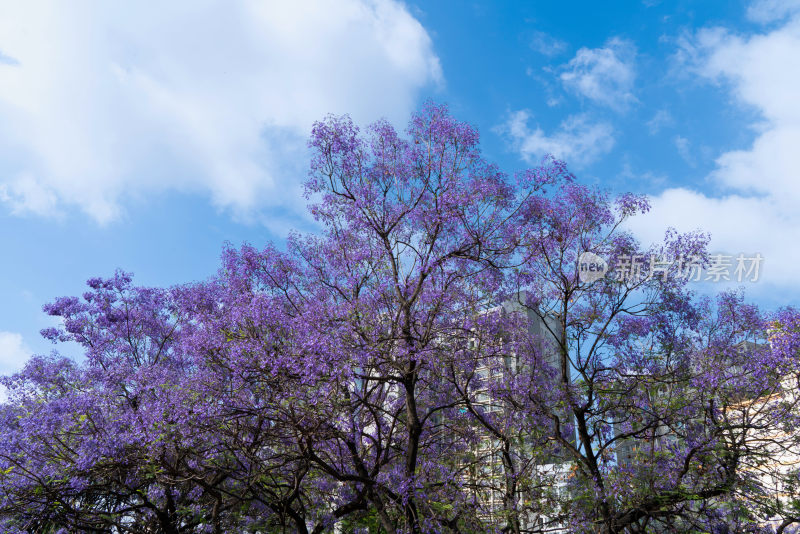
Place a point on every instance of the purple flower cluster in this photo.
(430, 361)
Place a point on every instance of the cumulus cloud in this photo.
(577, 140)
(106, 101)
(604, 75)
(13, 352)
(758, 187)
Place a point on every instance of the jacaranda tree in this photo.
(432, 359)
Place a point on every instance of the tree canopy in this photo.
(431, 360)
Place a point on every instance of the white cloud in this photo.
(27, 195)
(13, 352)
(107, 101)
(758, 188)
(604, 75)
(684, 150)
(737, 224)
(578, 141)
(661, 119)
(547, 45)
(771, 10)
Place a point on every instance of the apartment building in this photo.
(545, 476)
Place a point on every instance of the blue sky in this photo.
(143, 137)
